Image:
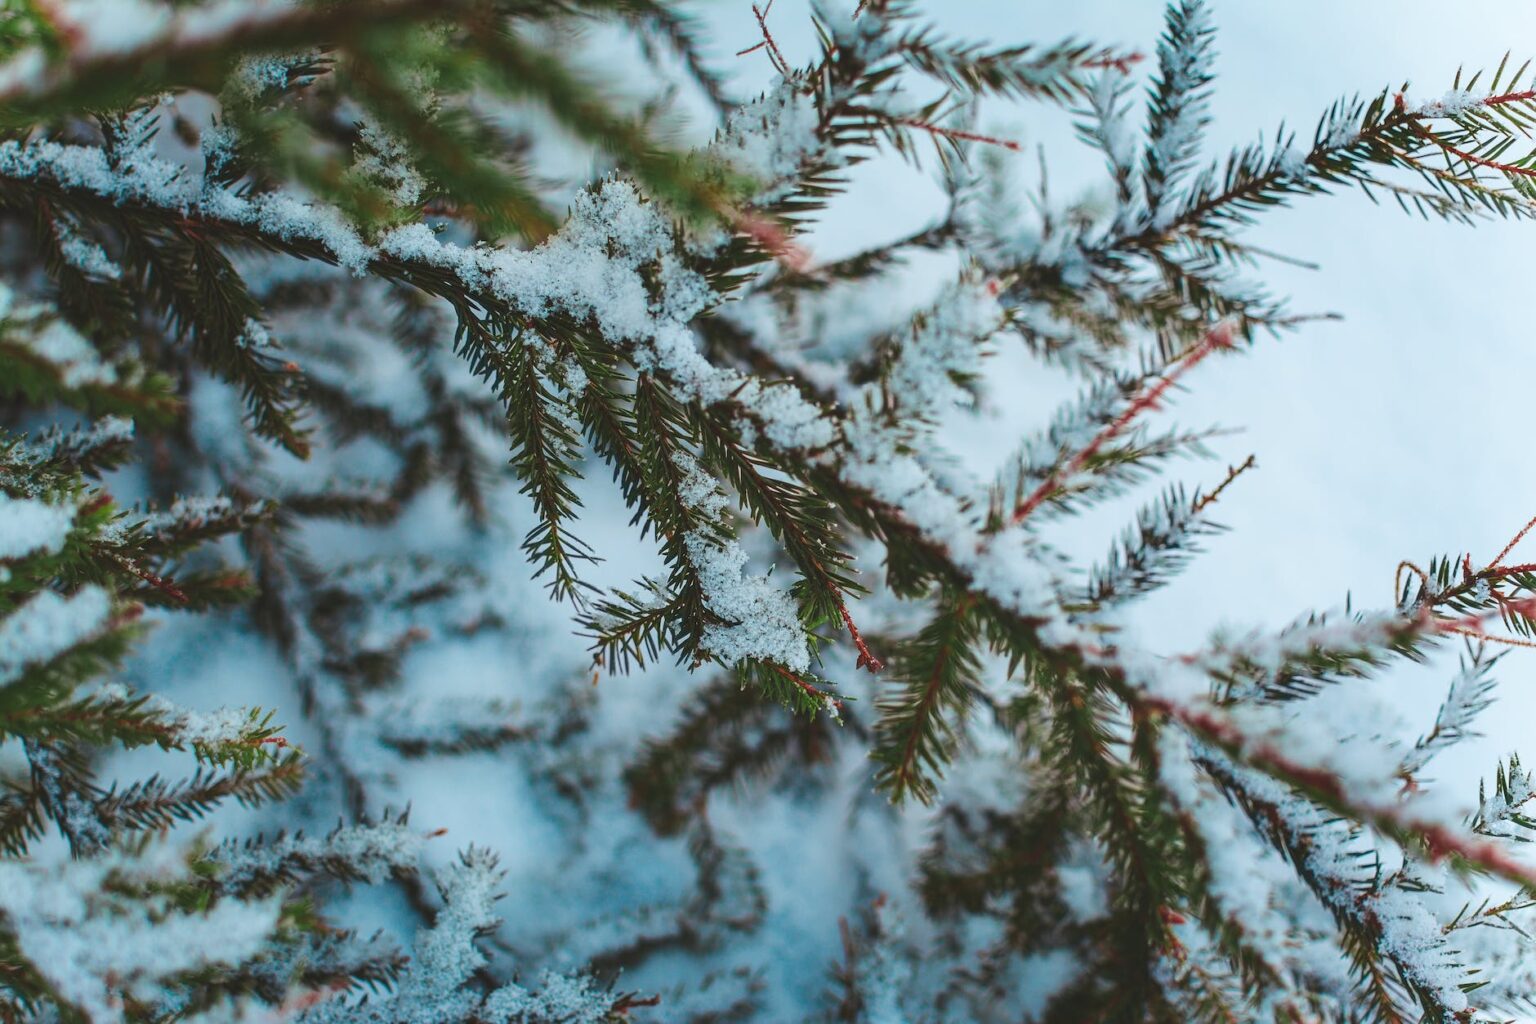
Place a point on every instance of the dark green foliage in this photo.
(939, 673)
(731, 739)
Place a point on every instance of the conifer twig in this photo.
(1218, 337)
(1233, 472)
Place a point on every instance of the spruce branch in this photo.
(938, 674)
(1219, 337)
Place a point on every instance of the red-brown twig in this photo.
(1478, 634)
(1509, 97)
(1516, 539)
(1440, 840)
(1471, 158)
(1120, 63)
(959, 134)
(775, 56)
(1490, 101)
(819, 696)
(1472, 626)
(1218, 337)
(1233, 472)
(866, 659)
(160, 583)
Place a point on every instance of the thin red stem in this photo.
(775, 57)
(956, 133)
(1121, 63)
(1478, 634)
(1471, 158)
(809, 690)
(1233, 472)
(866, 659)
(1516, 539)
(1509, 97)
(160, 583)
(1490, 101)
(1440, 840)
(1217, 337)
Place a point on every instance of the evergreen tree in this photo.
(301, 304)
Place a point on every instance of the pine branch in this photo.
(1058, 73)
(728, 738)
(1160, 543)
(545, 442)
(939, 674)
(153, 804)
(1178, 111)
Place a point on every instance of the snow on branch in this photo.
(48, 626)
(97, 930)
